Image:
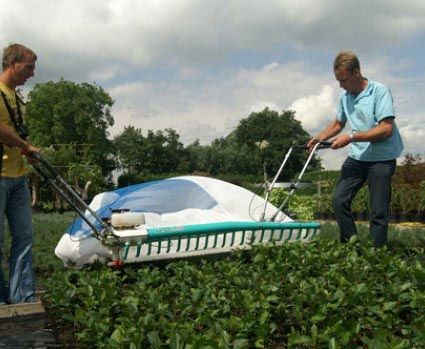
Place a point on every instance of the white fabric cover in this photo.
(221, 202)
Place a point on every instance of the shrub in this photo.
(361, 201)
(303, 207)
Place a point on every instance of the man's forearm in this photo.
(375, 134)
(378, 133)
(11, 139)
(330, 131)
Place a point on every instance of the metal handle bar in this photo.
(321, 145)
(318, 145)
(70, 195)
(324, 145)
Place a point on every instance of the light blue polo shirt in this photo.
(364, 112)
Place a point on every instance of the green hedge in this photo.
(330, 176)
(408, 190)
(302, 207)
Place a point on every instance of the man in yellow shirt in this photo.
(18, 67)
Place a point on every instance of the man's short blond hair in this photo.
(347, 60)
(16, 53)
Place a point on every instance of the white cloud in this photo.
(105, 73)
(213, 107)
(217, 101)
(316, 111)
(333, 159)
(140, 33)
(199, 66)
(258, 106)
(413, 133)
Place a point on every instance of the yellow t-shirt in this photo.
(13, 162)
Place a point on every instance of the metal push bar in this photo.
(49, 173)
(318, 145)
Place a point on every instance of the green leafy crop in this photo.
(320, 294)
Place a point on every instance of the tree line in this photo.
(70, 122)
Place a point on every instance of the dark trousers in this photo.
(354, 173)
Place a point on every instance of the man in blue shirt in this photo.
(375, 143)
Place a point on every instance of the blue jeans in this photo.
(354, 174)
(16, 206)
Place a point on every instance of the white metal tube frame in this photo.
(318, 145)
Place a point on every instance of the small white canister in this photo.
(127, 219)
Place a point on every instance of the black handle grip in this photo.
(324, 145)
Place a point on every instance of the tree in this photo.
(128, 146)
(411, 171)
(159, 152)
(281, 132)
(72, 120)
(68, 113)
(243, 151)
(85, 177)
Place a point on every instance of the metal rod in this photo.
(274, 182)
(59, 184)
(318, 145)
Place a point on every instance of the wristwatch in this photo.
(351, 137)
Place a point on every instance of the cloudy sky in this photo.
(200, 66)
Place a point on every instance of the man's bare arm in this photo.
(378, 133)
(12, 140)
(330, 131)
